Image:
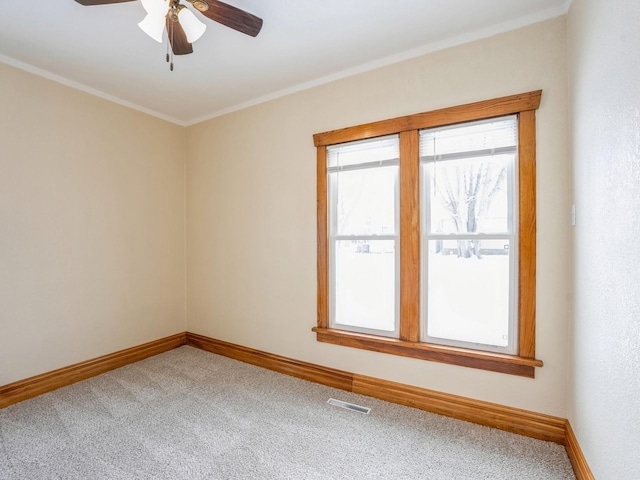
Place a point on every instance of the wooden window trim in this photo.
(409, 236)
(437, 118)
(408, 345)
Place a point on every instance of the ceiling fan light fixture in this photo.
(153, 25)
(193, 27)
(182, 26)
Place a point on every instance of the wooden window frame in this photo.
(408, 344)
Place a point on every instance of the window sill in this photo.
(495, 362)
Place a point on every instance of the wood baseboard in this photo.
(306, 371)
(523, 422)
(578, 461)
(515, 420)
(46, 382)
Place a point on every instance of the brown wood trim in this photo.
(323, 236)
(578, 461)
(522, 422)
(46, 382)
(495, 362)
(495, 107)
(409, 236)
(446, 116)
(527, 234)
(296, 368)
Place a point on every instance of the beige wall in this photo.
(92, 199)
(604, 399)
(251, 219)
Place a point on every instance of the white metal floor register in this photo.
(349, 406)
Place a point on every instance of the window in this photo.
(469, 240)
(363, 232)
(426, 235)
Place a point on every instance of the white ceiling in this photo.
(100, 49)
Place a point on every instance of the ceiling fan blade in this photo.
(178, 38)
(100, 2)
(233, 17)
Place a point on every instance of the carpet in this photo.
(190, 414)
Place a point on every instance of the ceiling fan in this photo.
(182, 26)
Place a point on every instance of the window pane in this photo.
(468, 298)
(365, 291)
(365, 201)
(469, 195)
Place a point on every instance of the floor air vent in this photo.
(349, 406)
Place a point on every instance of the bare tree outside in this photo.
(467, 190)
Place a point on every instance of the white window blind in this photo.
(480, 138)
